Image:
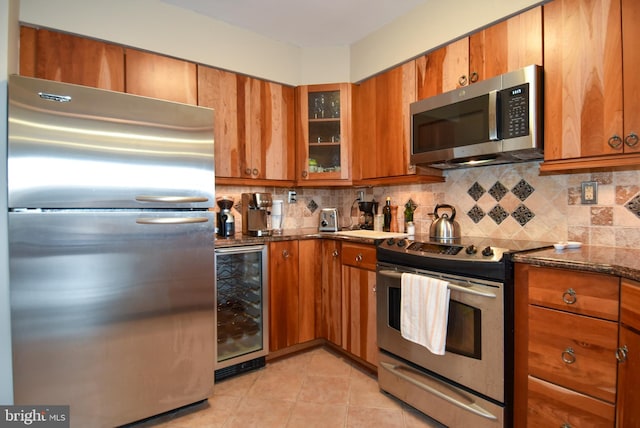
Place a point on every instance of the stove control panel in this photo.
(445, 250)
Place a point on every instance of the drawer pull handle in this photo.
(621, 354)
(569, 296)
(359, 257)
(568, 356)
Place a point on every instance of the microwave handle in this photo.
(493, 115)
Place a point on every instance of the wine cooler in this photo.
(241, 285)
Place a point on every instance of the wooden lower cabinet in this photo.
(628, 405)
(294, 292)
(566, 340)
(329, 325)
(551, 405)
(359, 301)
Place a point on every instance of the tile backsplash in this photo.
(501, 201)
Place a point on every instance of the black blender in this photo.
(225, 220)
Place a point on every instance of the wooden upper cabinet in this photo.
(592, 116)
(159, 76)
(254, 125)
(218, 90)
(66, 58)
(506, 46)
(503, 47)
(630, 67)
(382, 124)
(323, 134)
(440, 70)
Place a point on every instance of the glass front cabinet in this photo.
(324, 133)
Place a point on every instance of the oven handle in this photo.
(452, 286)
(473, 407)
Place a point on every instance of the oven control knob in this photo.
(391, 241)
(488, 251)
(402, 243)
(471, 249)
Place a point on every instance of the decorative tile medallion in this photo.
(476, 191)
(312, 206)
(498, 214)
(522, 214)
(476, 214)
(522, 190)
(498, 191)
(633, 205)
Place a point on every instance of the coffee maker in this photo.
(255, 213)
(225, 220)
(369, 209)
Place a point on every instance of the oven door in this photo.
(474, 354)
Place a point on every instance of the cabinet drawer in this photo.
(574, 351)
(578, 292)
(553, 406)
(630, 303)
(361, 256)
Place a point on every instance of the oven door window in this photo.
(464, 325)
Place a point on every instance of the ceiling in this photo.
(304, 23)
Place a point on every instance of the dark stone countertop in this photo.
(288, 235)
(623, 262)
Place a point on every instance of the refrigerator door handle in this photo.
(171, 220)
(171, 199)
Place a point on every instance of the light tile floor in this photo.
(317, 388)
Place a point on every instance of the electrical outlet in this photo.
(589, 193)
(292, 197)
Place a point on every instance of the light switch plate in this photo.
(589, 193)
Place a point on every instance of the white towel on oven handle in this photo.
(424, 311)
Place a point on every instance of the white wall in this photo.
(8, 64)
(160, 27)
(428, 26)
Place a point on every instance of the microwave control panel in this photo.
(515, 111)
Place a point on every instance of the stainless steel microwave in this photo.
(498, 120)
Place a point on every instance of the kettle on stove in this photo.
(444, 228)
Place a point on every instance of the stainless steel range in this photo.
(472, 383)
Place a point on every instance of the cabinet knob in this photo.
(359, 257)
(565, 425)
(335, 253)
(474, 77)
(255, 171)
(631, 140)
(285, 254)
(304, 174)
(615, 142)
(247, 171)
(569, 296)
(569, 356)
(462, 80)
(621, 354)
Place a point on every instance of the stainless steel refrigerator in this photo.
(111, 242)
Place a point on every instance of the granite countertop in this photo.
(288, 235)
(624, 262)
